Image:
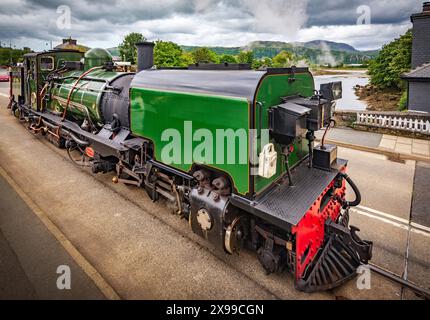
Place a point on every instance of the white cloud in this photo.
(200, 22)
(365, 37)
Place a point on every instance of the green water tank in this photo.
(96, 57)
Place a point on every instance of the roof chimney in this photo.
(70, 41)
(421, 36)
(145, 55)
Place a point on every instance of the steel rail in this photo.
(422, 292)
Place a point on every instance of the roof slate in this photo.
(422, 72)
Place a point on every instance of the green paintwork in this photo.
(36, 77)
(96, 57)
(271, 90)
(89, 90)
(86, 96)
(59, 58)
(154, 111)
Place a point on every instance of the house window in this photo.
(46, 64)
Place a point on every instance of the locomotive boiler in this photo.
(231, 150)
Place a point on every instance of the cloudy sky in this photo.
(103, 23)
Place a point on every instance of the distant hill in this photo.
(335, 46)
(316, 44)
(316, 52)
(219, 50)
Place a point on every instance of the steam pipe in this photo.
(79, 141)
(73, 89)
(354, 187)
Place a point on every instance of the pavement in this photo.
(394, 146)
(420, 207)
(34, 276)
(132, 248)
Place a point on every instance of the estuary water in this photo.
(349, 81)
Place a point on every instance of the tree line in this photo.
(386, 69)
(11, 56)
(170, 54)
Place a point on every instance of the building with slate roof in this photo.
(71, 44)
(419, 78)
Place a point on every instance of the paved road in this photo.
(368, 139)
(4, 86)
(144, 252)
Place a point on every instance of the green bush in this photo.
(283, 60)
(246, 57)
(169, 54)
(227, 58)
(393, 60)
(205, 55)
(403, 103)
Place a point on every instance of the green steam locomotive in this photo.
(231, 150)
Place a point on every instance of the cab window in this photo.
(46, 64)
(31, 69)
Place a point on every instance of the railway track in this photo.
(418, 290)
(405, 225)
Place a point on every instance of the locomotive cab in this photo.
(28, 81)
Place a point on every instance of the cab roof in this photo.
(35, 54)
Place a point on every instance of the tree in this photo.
(127, 49)
(167, 54)
(393, 60)
(205, 55)
(283, 59)
(246, 57)
(170, 54)
(267, 62)
(227, 58)
(187, 59)
(8, 54)
(257, 64)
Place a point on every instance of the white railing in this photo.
(412, 122)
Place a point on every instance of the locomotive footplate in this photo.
(113, 146)
(285, 206)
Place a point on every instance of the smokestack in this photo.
(145, 55)
(426, 7)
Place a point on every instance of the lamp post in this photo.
(10, 52)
